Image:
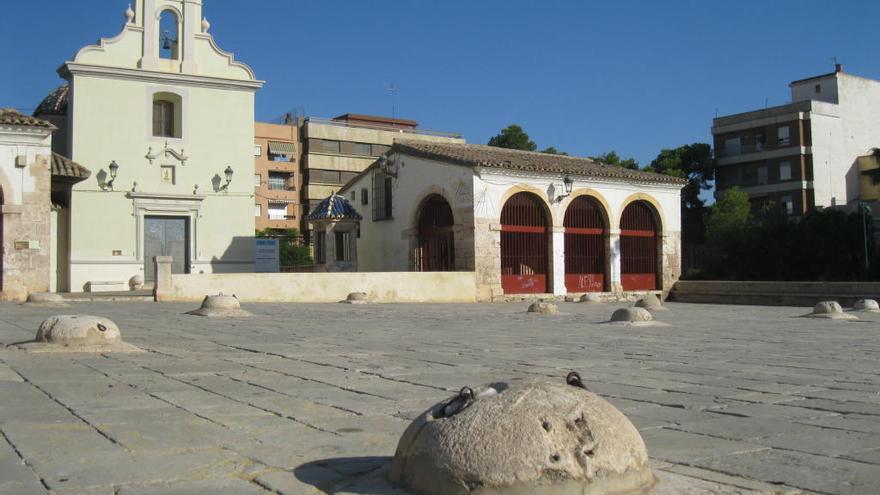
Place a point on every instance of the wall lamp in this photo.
(114, 169)
(228, 173)
(568, 184)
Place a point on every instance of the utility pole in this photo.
(865, 210)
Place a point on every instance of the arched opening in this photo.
(525, 242)
(638, 247)
(169, 39)
(167, 115)
(435, 251)
(585, 237)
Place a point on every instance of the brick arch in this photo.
(659, 216)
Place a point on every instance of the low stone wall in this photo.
(383, 287)
(772, 293)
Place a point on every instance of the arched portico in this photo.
(586, 245)
(525, 245)
(435, 247)
(640, 242)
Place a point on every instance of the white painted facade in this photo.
(113, 86)
(477, 196)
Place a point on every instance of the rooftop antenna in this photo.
(391, 90)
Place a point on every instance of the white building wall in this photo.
(385, 245)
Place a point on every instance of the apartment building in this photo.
(277, 176)
(335, 150)
(803, 154)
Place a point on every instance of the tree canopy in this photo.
(612, 158)
(693, 162)
(513, 137)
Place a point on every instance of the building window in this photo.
(759, 140)
(277, 181)
(784, 171)
(279, 157)
(163, 118)
(323, 146)
(362, 149)
(818, 88)
(320, 241)
(257, 180)
(277, 211)
(731, 146)
(353, 195)
(343, 240)
(783, 134)
(383, 206)
(379, 149)
(788, 204)
(364, 197)
(762, 175)
(258, 210)
(258, 150)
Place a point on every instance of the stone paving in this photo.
(312, 398)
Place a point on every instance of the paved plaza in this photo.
(312, 398)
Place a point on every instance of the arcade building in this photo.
(524, 222)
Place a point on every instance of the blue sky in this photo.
(583, 76)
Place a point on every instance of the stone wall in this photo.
(385, 287)
(26, 230)
(772, 293)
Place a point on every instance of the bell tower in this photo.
(170, 28)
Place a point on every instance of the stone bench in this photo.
(106, 286)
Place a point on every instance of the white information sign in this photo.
(266, 256)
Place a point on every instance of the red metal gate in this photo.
(436, 248)
(638, 247)
(524, 244)
(584, 246)
(2, 254)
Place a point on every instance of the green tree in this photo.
(612, 158)
(693, 162)
(291, 252)
(513, 137)
(550, 150)
(729, 216)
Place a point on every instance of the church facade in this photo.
(165, 120)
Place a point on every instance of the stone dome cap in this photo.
(591, 297)
(522, 436)
(650, 302)
(634, 316)
(356, 298)
(45, 299)
(830, 310)
(78, 333)
(544, 308)
(220, 306)
(869, 305)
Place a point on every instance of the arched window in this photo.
(167, 118)
(169, 38)
(525, 244)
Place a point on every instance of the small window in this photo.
(343, 241)
(257, 180)
(320, 241)
(818, 88)
(279, 157)
(362, 149)
(762, 175)
(277, 181)
(759, 140)
(364, 196)
(277, 211)
(258, 150)
(258, 210)
(323, 145)
(784, 171)
(731, 146)
(353, 195)
(783, 134)
(163, 118)
(787, 204)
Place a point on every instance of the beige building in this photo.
(165, 118)
(277, 176)
(336, 150)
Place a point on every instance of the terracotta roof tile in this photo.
(9, 116)
(65, 167)
(478, 155)
(55, 103)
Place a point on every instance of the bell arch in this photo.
(586, 241)
(640, 246)
(525, 245)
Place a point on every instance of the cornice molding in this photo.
(482, 172)
(72, 68)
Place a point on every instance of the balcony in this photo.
(363, 125)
